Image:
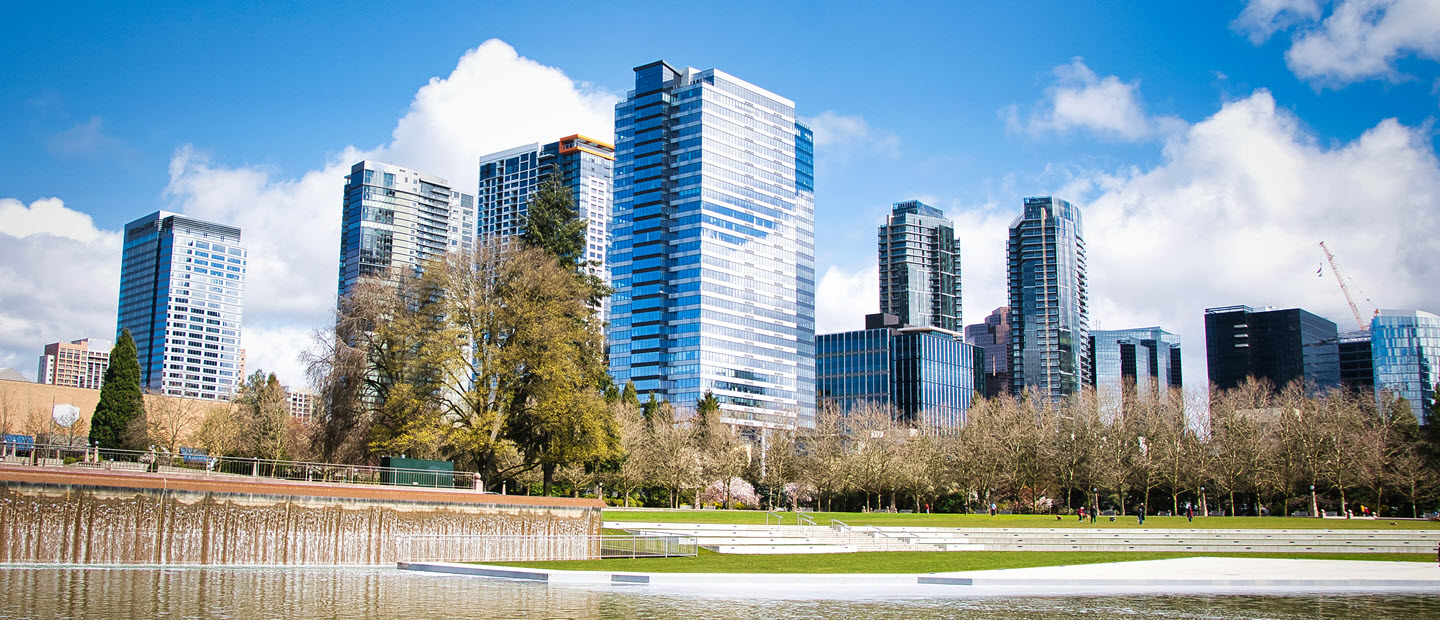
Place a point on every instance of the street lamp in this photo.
(1095, 497)
(1314, 505)
(1204, 508)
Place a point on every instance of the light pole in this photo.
(1095, 497)
(1314, 505)
(1204, 508)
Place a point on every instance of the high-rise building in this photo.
(302, 404)
(396, 219)
(713, 257)
(1357, 367)
(920, 267)
(1144, 362)
(1279, 346)
(1049, 299)
(1406, 349)
(182, 291)
(508, 178)
(78, 363)
(930, 375)
(993, 337)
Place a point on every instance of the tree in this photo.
(628, 395)
(723, 455)
(552, 223)
(121, 402)
(263, 416)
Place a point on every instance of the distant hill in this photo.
(10, 374)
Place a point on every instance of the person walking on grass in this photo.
(1141, 515)
(1190, 513)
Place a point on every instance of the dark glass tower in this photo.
(1049, 301)
(713, 252)
(993, 337)
(1279, 346)
(929, 374)
(920, 267)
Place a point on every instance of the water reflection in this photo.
(250, 594)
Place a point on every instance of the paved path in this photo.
(1185, 575)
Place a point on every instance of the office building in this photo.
(1142, 363)
(713, 257)
(302, 404)
(396, 219)
(182, 291)
(584, 165)
(1278, 346)
(1357, 367)
(993, 338)
(1406, 350)
(930, 375)
(1049, 299)
(78, 363)
(920, 267)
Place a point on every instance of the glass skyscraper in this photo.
(1406, 353)
(182, 292)
(713, 259)
(508, 178)
(920, 267)
(929, 374)
(1279, 346)
(1049, 300)
(1145, 360)
(395, 219)
(993, 337)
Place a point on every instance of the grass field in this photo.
(756, 517)
(915, 561)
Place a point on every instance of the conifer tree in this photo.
(121, 402)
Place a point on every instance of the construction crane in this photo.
(1340, 277)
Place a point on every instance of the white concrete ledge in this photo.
(1186, 575)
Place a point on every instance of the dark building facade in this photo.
(1357, 365)
(1279, 346)
(1144, 362)
(929, 374)
(993, 337)
(920, 267)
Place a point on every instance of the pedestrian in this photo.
(993, 509)
(1082, 514)
(1189, 513)
(1141, 515)
(1094, 511)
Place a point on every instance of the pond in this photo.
(254, 593)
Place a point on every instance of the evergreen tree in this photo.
(121, 402)
(629, 396)
(553, 223)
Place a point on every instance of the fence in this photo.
(15, 450)
(502, 548)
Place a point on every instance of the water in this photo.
(255, 594)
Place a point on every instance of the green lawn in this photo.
(957, 520)
(914, 561)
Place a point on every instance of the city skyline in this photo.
(1219, 171)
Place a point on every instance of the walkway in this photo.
(1186, 575)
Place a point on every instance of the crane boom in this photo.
(1344, 289)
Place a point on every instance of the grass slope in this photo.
(915, 561)
(755, 517)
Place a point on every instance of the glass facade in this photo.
(1049, 299)
(993, 337)
(920, 267)
(585, 165)
(182, 291)
(1145, 360)
(395, 218)
(1405, 345)
(1279, 346)
(930, 375)
(712, 256)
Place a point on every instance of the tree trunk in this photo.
(548, 471)
(1232, 503)
(1174, 502)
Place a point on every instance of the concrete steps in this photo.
(729, 538)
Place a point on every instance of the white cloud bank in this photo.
(1358, 40)
(838, 136)
(494, 99)
(1080, 100)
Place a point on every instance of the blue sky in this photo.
(1211, 144)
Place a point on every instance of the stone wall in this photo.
(66, 517)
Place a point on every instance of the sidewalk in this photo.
(1184, 575)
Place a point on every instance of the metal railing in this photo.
(779, 518)
(802, 518)
(839, 526)
(531, 548)
(188, 461)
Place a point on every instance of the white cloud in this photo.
(1359, 40)
(838, 136)
(1234, 214)
(1081, 100)
(59, 279)
(843, 298)
(87, 139)
(1262, 18)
